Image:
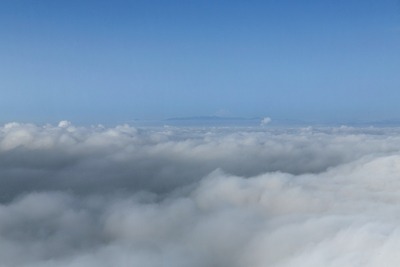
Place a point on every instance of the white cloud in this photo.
(97, 196)
(265, 121)
(64, 124)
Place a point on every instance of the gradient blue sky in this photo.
(114, 61)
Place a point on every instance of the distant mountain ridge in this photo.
(213, 121)
(218, 118)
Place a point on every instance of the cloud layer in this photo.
(98, 196)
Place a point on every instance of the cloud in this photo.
(98, 196)
(265, 121)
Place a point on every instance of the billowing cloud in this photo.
(98, 196)
(265, 121)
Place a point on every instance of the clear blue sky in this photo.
(114, 61)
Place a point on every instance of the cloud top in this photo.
(122, 196)
(265, 121)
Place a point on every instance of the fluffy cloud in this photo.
(97, 196)
(265, 121)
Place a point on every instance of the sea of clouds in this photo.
(199, 197)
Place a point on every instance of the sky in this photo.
(117, 61)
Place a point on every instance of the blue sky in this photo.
(115, 61)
